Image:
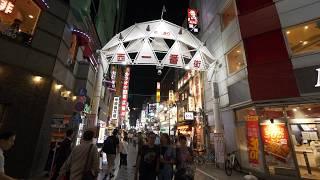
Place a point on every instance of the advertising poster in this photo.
(252, 139)
(218, 139)
(275, 139)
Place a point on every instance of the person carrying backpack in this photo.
(111, 148)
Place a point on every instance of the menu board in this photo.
(275, 139)
(252, 139)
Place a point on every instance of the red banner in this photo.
(275, 139)
(125, 92)
(252, 139)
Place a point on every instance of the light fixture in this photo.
(306, 115)
(238, 51)
(309, 109)
(37, 79)
(306, 27)
(58, 86)
(68, 92)
(288, 32)
(305, 43)
(74, 98)
(30, 16)
(294, 109)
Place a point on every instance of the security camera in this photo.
(159, 72)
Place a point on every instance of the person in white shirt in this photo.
(6, 142)
(123, 146)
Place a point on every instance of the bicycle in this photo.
(201, 157)
(231, 163)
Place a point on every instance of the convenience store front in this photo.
(280, 140)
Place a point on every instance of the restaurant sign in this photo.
(6, 6)
(252, 138)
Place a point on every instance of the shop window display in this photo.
(304, 38)
(235, 59)
(305, 132)
(18, 19)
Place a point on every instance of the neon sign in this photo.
(6, 6)
(318, 81)
(193, 20)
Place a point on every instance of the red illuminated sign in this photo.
(125, 93)
(173, 58)
(120, 57)
(193, 20)
(197, 63)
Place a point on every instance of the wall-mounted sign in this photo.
(171, 96)
(113, 77)
(125, 92)
(193, 20)
(188, 116)
(191, 103)
(158, 92)
(318, 79)
(252, 139)
(6, 6)
(115, 108)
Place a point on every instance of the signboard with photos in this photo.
(193, 21)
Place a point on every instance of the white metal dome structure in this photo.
(159, 43)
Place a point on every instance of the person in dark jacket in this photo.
(62, 153)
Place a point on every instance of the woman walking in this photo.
(123, 146)
(167, 158)
(83, 162)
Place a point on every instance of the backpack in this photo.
(108, 145)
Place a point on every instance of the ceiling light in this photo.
(305, 43)
(74, 98)
(306, 27)
(30, 16)
(309, 109)
(58, 86)
(36, 79)
(294, 109)
(288, 32)
(238, 51)
(306, 115)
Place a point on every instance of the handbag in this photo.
(87, 174)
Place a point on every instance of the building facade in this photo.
(266, 82)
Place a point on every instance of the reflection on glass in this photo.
(304, 38)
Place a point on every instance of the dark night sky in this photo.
(143, 78)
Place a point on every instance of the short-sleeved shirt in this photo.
(110, 145)
(1, 161)
(149, 157)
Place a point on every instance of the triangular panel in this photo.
(162, 31)
(173, 57)
(135, 45)
(146, 55)
(121, 56)
(135, 33)
(187, 38)
(147, 30)
(205, 50)
(111, 51)
(184, 50)
(159, 45)
(197, 62)
(113, 42)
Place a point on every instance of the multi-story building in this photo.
(47, 61)
(266, 83)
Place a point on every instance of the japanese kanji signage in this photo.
(6, 6)
(193, 20)
(115, 108)
(275, 138)
(158, 92)
(252, 139)
(125, 91)
(113, 78)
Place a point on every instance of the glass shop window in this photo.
(235, 59)
(304, 38)
(228, 15)
(18, 19)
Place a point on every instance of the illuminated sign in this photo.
(115, 108)
(158, 92)
(174, 58)
(188, 116)
(121, 57)
(113, 78)
(191, 103)
(252, 139)
(171, 96)
(125, 92)
(193, 20)
(6, 6)
(318, 81)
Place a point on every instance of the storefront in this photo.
(280, 140)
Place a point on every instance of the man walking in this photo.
(62, 153)
(111, 148)
(6, 142)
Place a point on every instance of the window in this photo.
(228, 15)
(304, 38)
(18, 19)
(235, 59)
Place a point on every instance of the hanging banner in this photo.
(158, 92)
(275, 139)
(115, 109)
(193, 20)
(125, 92)
(252, 139)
